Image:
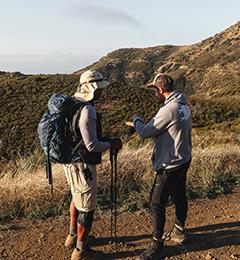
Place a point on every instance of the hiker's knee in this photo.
(158, 201)
(85, 218)
(157, 207)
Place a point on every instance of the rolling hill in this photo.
(207, 72)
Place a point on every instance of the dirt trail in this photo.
(213, 226)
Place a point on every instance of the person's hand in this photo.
(116, 144)
(129, 123)
(130, 132)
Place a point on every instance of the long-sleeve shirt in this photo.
(88, 129)
(171, 130)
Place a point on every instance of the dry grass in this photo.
(28, 194)
(214, 169)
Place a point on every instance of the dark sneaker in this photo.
(153, 252)
(87, 254)
(177, 235)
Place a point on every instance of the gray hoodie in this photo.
(171, 130)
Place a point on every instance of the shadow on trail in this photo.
(122, 255)
(123, 239)
(207, 237)
(129, 241)
(214, 227)
(199, 238)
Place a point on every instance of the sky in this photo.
(62, 36)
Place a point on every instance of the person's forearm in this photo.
(91, 141)
(97, 146)
(145, 131)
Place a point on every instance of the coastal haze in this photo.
(44, 63)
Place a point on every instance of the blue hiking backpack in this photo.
(58, 138)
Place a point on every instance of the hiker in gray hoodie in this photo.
(171, 130)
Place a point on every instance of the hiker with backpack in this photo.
(171, 130)
(70, 133)
(82, 176)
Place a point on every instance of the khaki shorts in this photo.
(83, 186)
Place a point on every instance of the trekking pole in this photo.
(111, 196)
(113, 189)
(115, 198)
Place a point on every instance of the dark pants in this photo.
(169, 183)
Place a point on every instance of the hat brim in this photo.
(102, 83)
(88, 96)
(84, 97)
(152, 86)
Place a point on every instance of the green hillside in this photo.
(207, 72)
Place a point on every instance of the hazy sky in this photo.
(62, 36)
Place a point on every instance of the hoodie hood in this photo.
(176, 97)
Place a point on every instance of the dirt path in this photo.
(213, 226)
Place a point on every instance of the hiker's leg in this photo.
(85, 199)
(85, 220)
(178, 194)
(158, 202)
(73, 218)
(83, 250)
(71, 239)
(84, 190)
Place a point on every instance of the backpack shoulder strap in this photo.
(75, 119)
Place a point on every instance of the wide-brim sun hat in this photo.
(89, 81)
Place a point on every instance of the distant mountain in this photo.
(206, 66)
(207, 72)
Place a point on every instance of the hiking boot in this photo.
(153, 252)
(177, 235)
(86, 254)
(70, 241)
